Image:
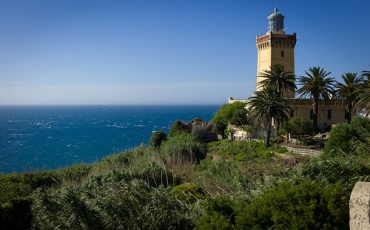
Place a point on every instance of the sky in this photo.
(136, 52)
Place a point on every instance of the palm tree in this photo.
(282, 82)
(266, 105)
(317, 85)
(363, 104)
(366, 74)
(349, 91)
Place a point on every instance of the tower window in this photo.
(329, 114)
(292, 113)
(282, 53)
(311, 114)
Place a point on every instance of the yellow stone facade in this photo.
(329, 113)
(275, 48)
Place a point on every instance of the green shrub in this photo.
(240, 157)
(219, 128)
(280, 149)
(139, 163)
(219, 213)
(184, 146)
(178, 127)
(298, 126)
(343, 137)
(308, 205)
(13, 186)
(240, 117)
(15, 191)
(243, 149)
(225, 114)
(189, 192)
(16, 214)
(333, 169)
(219, 177)
(151, 173)
(277, 140)
(340, 139)
(157, 138)
(204, 133)
(132, 205)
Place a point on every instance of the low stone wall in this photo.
(359, 206)
(302, 151)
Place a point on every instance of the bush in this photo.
(308, 205)
(151, 173)
(219, 128)
(189, 192)
(140, 163)
(219, 213)
(178, 127)
(204, 133)
(219, 177)
(333, 169)
(280, 149)
(15, 191)
(131, 205)
(240, 118)
(343, 137)
(225, 114)
(298, 126)
(250, 150)
(184, 147)
(16, 214)
(157, 138)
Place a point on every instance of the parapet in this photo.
(232, 100)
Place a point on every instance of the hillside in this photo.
(188, 184)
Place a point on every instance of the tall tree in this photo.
(283, 83)
(363, 104)
(279, 80)
(317, 85)
(349, 92)
(266, 105)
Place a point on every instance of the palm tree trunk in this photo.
(278, 123)
(349, 114)
(315, 114)
(267, 140)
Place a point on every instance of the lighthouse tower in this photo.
(275, 47)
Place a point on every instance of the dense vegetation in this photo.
(189, 179)
(185, 183)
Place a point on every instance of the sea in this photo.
(36, 138)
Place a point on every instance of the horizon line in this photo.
(182, 104)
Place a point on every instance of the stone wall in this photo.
(302, 151)
(359, 206)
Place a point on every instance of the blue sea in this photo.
(49, 137)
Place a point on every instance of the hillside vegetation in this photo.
(184, 182)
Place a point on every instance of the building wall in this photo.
(263, 61)
(303, 108)
(231, 100)
(275, 49)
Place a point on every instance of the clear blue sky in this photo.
(164, 52)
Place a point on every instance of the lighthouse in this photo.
(275, 47)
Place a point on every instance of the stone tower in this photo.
(275, 47)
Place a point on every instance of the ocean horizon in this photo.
(42, 137)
